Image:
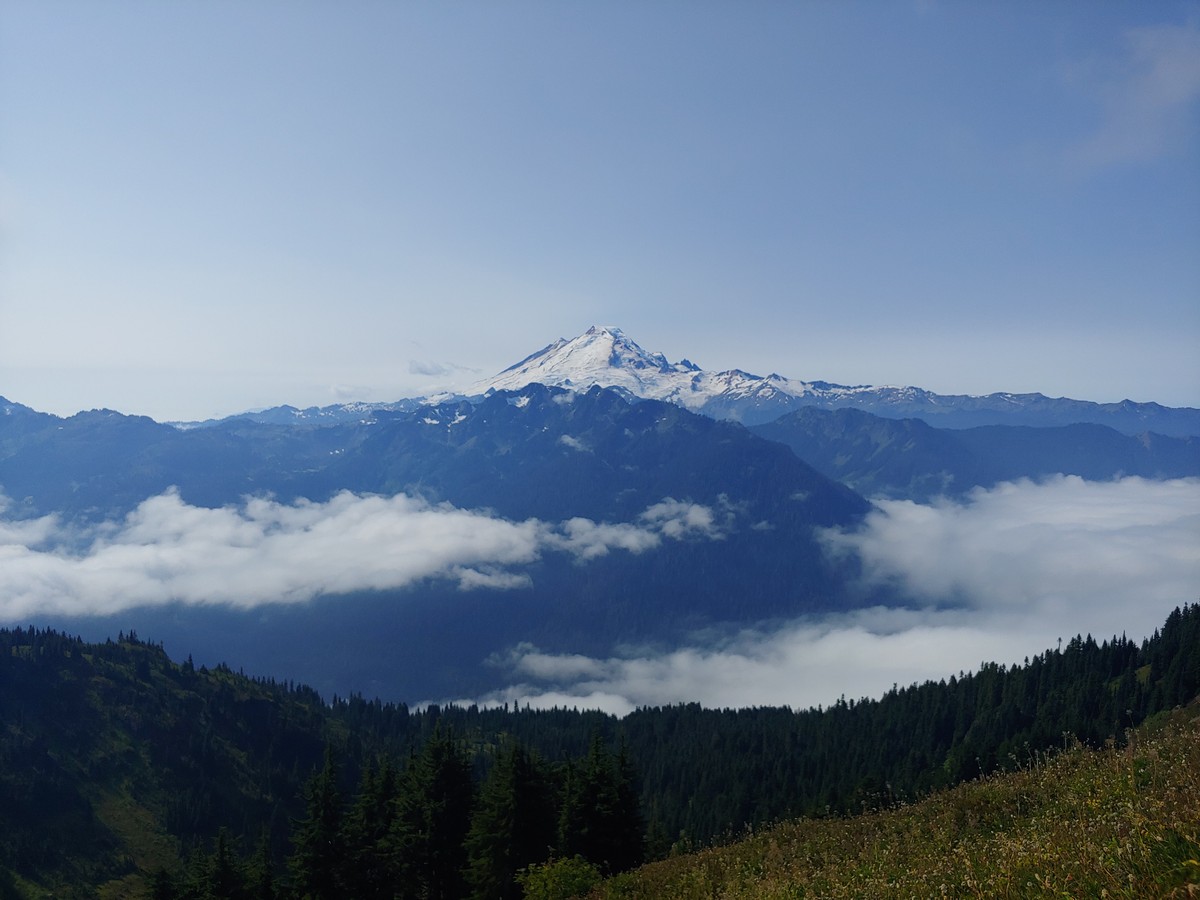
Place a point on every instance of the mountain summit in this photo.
(602, 356)
(605, 356)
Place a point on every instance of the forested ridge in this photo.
(124, 769)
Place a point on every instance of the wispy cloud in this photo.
(1148, 103)
(1005, 573)
(432, 369)
(265, 552)
(574, 443)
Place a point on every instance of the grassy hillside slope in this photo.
(116, 763)
(1115, 822)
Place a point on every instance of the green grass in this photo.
(1122, 822)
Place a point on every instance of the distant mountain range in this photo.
(606, 357)
(592, 461)
(592, 436)
(910, 459)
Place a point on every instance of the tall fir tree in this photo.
(600, 817)
(319, 851)
(368, 825)
(513, 826)
(433, 815)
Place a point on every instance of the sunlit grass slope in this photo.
(1117, 822)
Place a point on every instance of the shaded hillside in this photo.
(543, 453)
(116, 760)
(547, 453)
(100, 464)
(907, 458)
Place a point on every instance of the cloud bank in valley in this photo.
(1004, 575)
(264, 551)
(1001, 575)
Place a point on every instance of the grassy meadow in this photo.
(1120, 822)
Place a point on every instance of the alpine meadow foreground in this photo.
(1122, 821)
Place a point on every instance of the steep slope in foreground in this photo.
(605, 356)
(115, 761)
(1118, 822)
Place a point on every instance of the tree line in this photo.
(429, 831)
(230, 768)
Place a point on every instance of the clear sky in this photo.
(212, 206)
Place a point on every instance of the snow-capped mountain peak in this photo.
(602, 355)
(605, 356)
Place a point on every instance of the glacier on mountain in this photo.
(603, 356)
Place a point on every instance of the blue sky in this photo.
(212, 206)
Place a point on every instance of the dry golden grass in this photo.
(1119, 822)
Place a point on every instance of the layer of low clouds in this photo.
(264, 551)
(1006, 573)
(1002, 575)
(1023, 546)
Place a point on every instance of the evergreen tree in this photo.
(162, 886)
(629, 827)
(319, 852)
(433, 815)
(601, 818)
(367, 827)
(260, 874)
(513, 826)
(225, 878)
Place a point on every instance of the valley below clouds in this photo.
(267, 552)
(999, 576)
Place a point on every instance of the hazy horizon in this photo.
(210, 208)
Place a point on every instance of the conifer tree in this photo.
(260, 874)
(433, 815)
(513, 826)
(629, 826)
(601, 819)
(319, 853)
(225, 879)
(367, 827)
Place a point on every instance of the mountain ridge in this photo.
(604, 356)
(911, 459)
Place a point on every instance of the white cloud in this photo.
(490, 577)
(1024, 545)
(432, 369)
(588, 539)
(1028, 564)
(680, 520)
(269, 552)
(574, 443)
(1148, 107)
